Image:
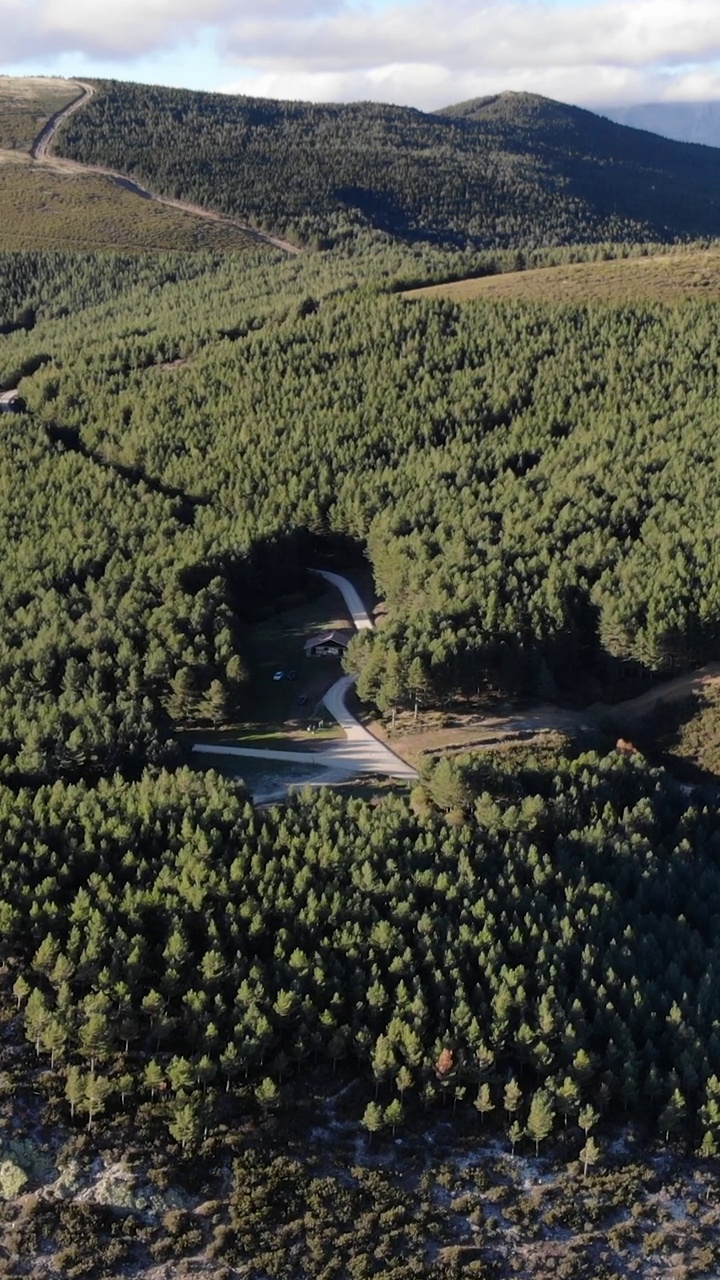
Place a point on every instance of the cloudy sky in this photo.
(424, 53)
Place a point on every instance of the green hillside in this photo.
(302, 404)
(470, 1028)
(514, 171)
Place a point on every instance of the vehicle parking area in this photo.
(287, 686)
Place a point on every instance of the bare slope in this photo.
(55, 204)
(26, 103)
(44, 208)
(661, 278)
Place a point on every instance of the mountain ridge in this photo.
(694, 122)
(511, 170)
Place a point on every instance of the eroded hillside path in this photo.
(41, 153)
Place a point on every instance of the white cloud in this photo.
(497, 36)
(421, 52)
(611, 50)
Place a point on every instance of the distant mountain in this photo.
(514, 170)
(683, 121)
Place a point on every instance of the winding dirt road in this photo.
(361, 752)
(40, 152)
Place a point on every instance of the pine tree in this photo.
(21, 989)
(214, 706)
(394, 1113)
(185, 1125)
(267, 1094)
(54, 1039)
(587, 1119)
(97, 1090)
(183, 695)
(74, 1089)
(515, 1133)
(589, 1155)
(567, 1098)
(154, 1077)
(230, 1064)
(540, 1119)
(180, 1074)
(484, 1103)
(512, 1097)
(403, 1080)
(673, 1115)
(708, 1148)
(373, 1118)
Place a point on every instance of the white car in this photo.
(279, 675)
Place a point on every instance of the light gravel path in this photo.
(361, 752)
(359, 614)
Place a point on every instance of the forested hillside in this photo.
(521, 950)
(516, 171)
(534, 486)
(167, 938)
(198, 984)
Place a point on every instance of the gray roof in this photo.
(328, 637)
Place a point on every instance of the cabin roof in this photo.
(328, 637)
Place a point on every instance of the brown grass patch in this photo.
(27, 103)
(668, 278)
(42, 208)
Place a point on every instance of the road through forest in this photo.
(361, 752)
(40, 152)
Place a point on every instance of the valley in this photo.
(425, 391)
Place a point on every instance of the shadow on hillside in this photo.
(683, 735)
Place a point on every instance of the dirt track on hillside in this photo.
(40, 152)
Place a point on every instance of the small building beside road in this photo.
(330, 645)
(11, 402)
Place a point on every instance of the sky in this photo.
(421, 53)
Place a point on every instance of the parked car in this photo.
(279, 675)
(291, 675)
(302, 700)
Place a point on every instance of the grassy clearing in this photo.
(261, 777)
(498, 726)
(276, 644)
(665, 278)
(41, 208)
(27, 103)
(273, 716)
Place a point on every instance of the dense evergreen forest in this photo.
(522, 948)
(550, 947)
(514, 171)
(533, 485)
